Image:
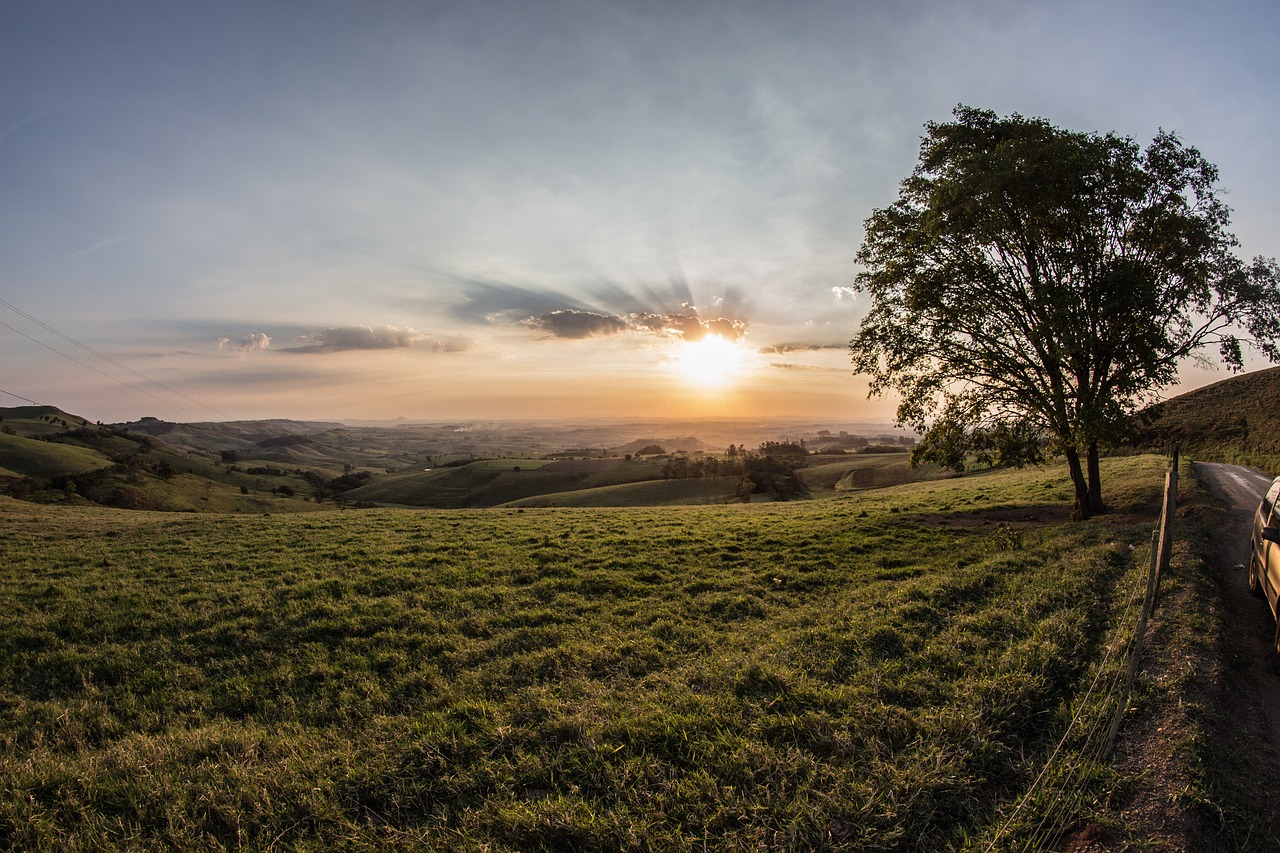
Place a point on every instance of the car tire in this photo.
(1275, 650)
(1255, 582)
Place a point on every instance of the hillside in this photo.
(1239, 416)
(27, 456)
(50, 456)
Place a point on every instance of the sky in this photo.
(529, 209)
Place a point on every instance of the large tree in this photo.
(1032, 287)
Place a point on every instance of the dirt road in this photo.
(1250, 627)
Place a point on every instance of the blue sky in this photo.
(524, 209)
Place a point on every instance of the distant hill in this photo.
(1237, 416)
(492, 482)
(231, 435)
(50, 456)
(671, 445)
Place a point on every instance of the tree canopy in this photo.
(1032, 287)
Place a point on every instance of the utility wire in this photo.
(97, 371)
(111, 360)
(19, 396)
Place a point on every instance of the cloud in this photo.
(783, 349)
(573, 324)
(667, 310)
(487, 301)
(452, 343)
(253, 342)
(688, 325)
(786, 365)
(346, 338)
(568, 323)
(842, 292)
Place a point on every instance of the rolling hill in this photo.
(492, 482)
(1236, 417)
(50, 456)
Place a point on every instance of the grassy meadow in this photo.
(886, 669)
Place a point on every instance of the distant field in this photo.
(644, 494)
(636, 482)
(878, 670)
(499, 481)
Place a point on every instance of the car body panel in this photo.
(1265, 553)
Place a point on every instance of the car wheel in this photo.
(1255, 582)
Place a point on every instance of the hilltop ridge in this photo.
(1238, 415)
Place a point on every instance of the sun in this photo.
(710, 362)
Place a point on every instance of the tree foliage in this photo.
(1032, 287)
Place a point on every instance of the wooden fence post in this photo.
(1148, 602)
(1167, 513)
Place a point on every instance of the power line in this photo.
(20, 397)
(96, 370)
(111, 360)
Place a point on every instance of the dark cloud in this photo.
(343, 338)
(567, 323)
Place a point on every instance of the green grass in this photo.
(864, 471)
(813, 675)
(1238, 417)
(717, 490)
(29, 457)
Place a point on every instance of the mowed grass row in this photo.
(839, 674)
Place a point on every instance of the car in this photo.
(1264, 553)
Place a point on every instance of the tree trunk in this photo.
(1095, 480)
(1082, 486)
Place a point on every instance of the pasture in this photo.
(884, 669)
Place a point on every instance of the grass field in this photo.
(873, 671)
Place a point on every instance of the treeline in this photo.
(770, 470)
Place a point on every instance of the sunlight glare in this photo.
(710, 362)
